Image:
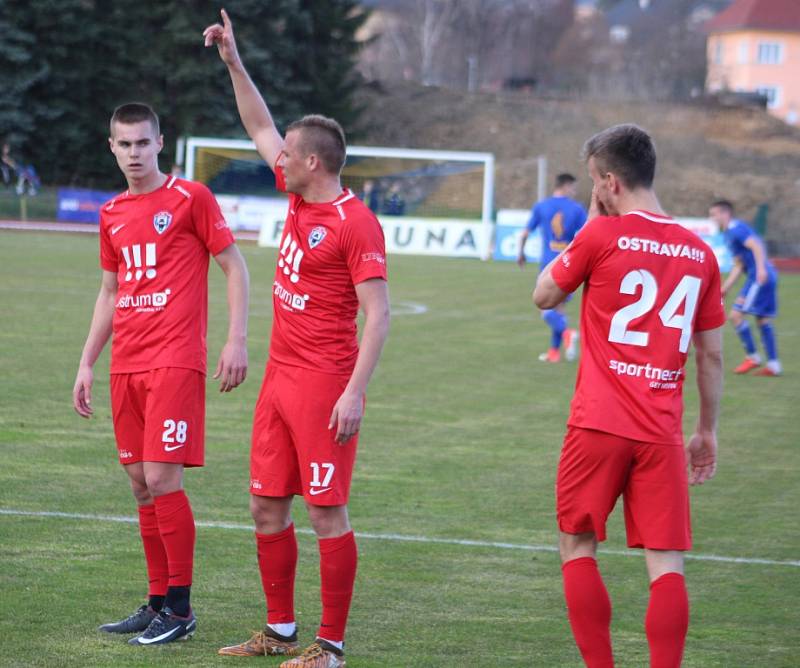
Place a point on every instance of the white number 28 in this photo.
(688, 289)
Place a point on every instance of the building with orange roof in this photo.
(754, 47)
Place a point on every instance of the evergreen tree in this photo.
(326, 34)
(66, 64)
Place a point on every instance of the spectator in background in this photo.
(8, 166)
(394, 204)
(371, 196)
(27, 180)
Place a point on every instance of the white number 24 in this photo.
(688, 289)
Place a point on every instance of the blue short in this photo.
(759, 300)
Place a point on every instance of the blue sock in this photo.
(746, 337)
(557, 323)
(768, 339)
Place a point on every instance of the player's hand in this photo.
(232, 366)
(761, 276)
(82, 392)
(596, 207)
(521, 259)
(346, 416)
(222, 36)
(702, 455)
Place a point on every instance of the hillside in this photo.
(705, 152)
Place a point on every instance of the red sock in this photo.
(667, 620)
(277, 561)
(337, 568)
(589, 611)
(176, 526)
(154, 553)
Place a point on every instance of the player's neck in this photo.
(640, 200)
(146, 184)
(326, 190)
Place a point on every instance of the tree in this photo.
(65, 65)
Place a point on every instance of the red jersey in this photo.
(648, 285)
(325, 251)
(158, 245)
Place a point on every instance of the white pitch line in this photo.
(402, 538)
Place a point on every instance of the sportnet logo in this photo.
(661, 379)
(155, 301)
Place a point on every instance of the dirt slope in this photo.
(705, 152)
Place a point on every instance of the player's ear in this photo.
(111, 144)
(312, 162)
(613, 183)
(160, 142)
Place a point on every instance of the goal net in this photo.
(428, 202)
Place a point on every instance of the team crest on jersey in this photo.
(316, 236)
(161, 221)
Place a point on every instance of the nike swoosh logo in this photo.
(170, 448)
(314, 492)
(114, 230)
(149, 641)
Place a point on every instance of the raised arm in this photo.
(702, 446)
(232, 364)
(253, 110)
(373, 297)
(99, 333)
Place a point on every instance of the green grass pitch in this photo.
(460, 441)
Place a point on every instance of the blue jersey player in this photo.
(559, 218)
(759, 294)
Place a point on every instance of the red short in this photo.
(159, 416)
(293, 451)
(596, 467)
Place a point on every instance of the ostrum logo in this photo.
(154, 301)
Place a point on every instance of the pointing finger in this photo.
(225, 19)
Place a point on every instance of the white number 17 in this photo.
(688, 289)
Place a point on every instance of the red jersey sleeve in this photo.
(711, 309)
(573, 266)
(364, 248)
(209, 223)
(280, 181)
(108, 258)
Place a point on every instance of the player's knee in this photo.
(141, 493)
(270, 515)
(575, 546)
(329, 521)
(161, 482)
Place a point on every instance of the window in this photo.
(773, 95)
(718, 51)
(770, 53)
(744, 52)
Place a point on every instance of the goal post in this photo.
(428, 202)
